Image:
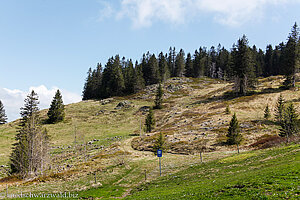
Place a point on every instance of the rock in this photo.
(123, 104)
(106, 101)
(100, 112)
(144, 108)
(173, 88)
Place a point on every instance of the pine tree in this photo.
(267, 113)
(29, 155)
(291, 56)
(56, 111)
(180, 64)
(243, 67)
(279, 110)
(289, 124)
(87, 89)
(189, 69)
(171, 60)
(150, 69)
(150, 121)
(3, 117)
(112, 78)
(159, 143)
(233, 135)
(139, 82)
(129, 77)
(164, 70)
(268, 60)
(159, 97)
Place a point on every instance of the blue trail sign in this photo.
(159, 153)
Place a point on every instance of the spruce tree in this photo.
(29, 155)
(171, 60)
(159, 97)
(87, 89)
(56, 111)
(267, 113)
(159, 143)
(164, 70)
(289, 124)
(279, 110)
(189, 69)
(291, 56)
(3, 117)
(138, 81)
(233, 135)
(180, 64)
(129, 77)
(112, 79)
(268, 60)
(150, 121)
(243, 67)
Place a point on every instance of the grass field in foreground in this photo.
(266, 174)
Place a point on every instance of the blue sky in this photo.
(50, 44)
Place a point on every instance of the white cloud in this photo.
(106, 10)
(13, 100)
(228, 12)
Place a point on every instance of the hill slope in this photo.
(102, 137)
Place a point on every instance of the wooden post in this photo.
(238, 148)
(145, 175)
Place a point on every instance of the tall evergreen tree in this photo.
(30, 152)
(56, 111)
(164, 70)
(180, 64)
(233, 135)
(223, 64)
(189, 69)
(279, 110)
(292, 57)
(150, 121)
(139, 82)
(289, 124)
(159, 97)
(129, 76)
(112, 78)
(87, 90)
(258, 59)
(243, 66)
(3, 117)
(171, 60)
(268, 68)
(97, 81)
(150, 69)
(199, 62)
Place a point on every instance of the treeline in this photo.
(242, 64)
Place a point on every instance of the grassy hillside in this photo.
(100, 139)
(268, 174)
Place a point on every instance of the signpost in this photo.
(159, 155)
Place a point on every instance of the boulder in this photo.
(123, 104)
